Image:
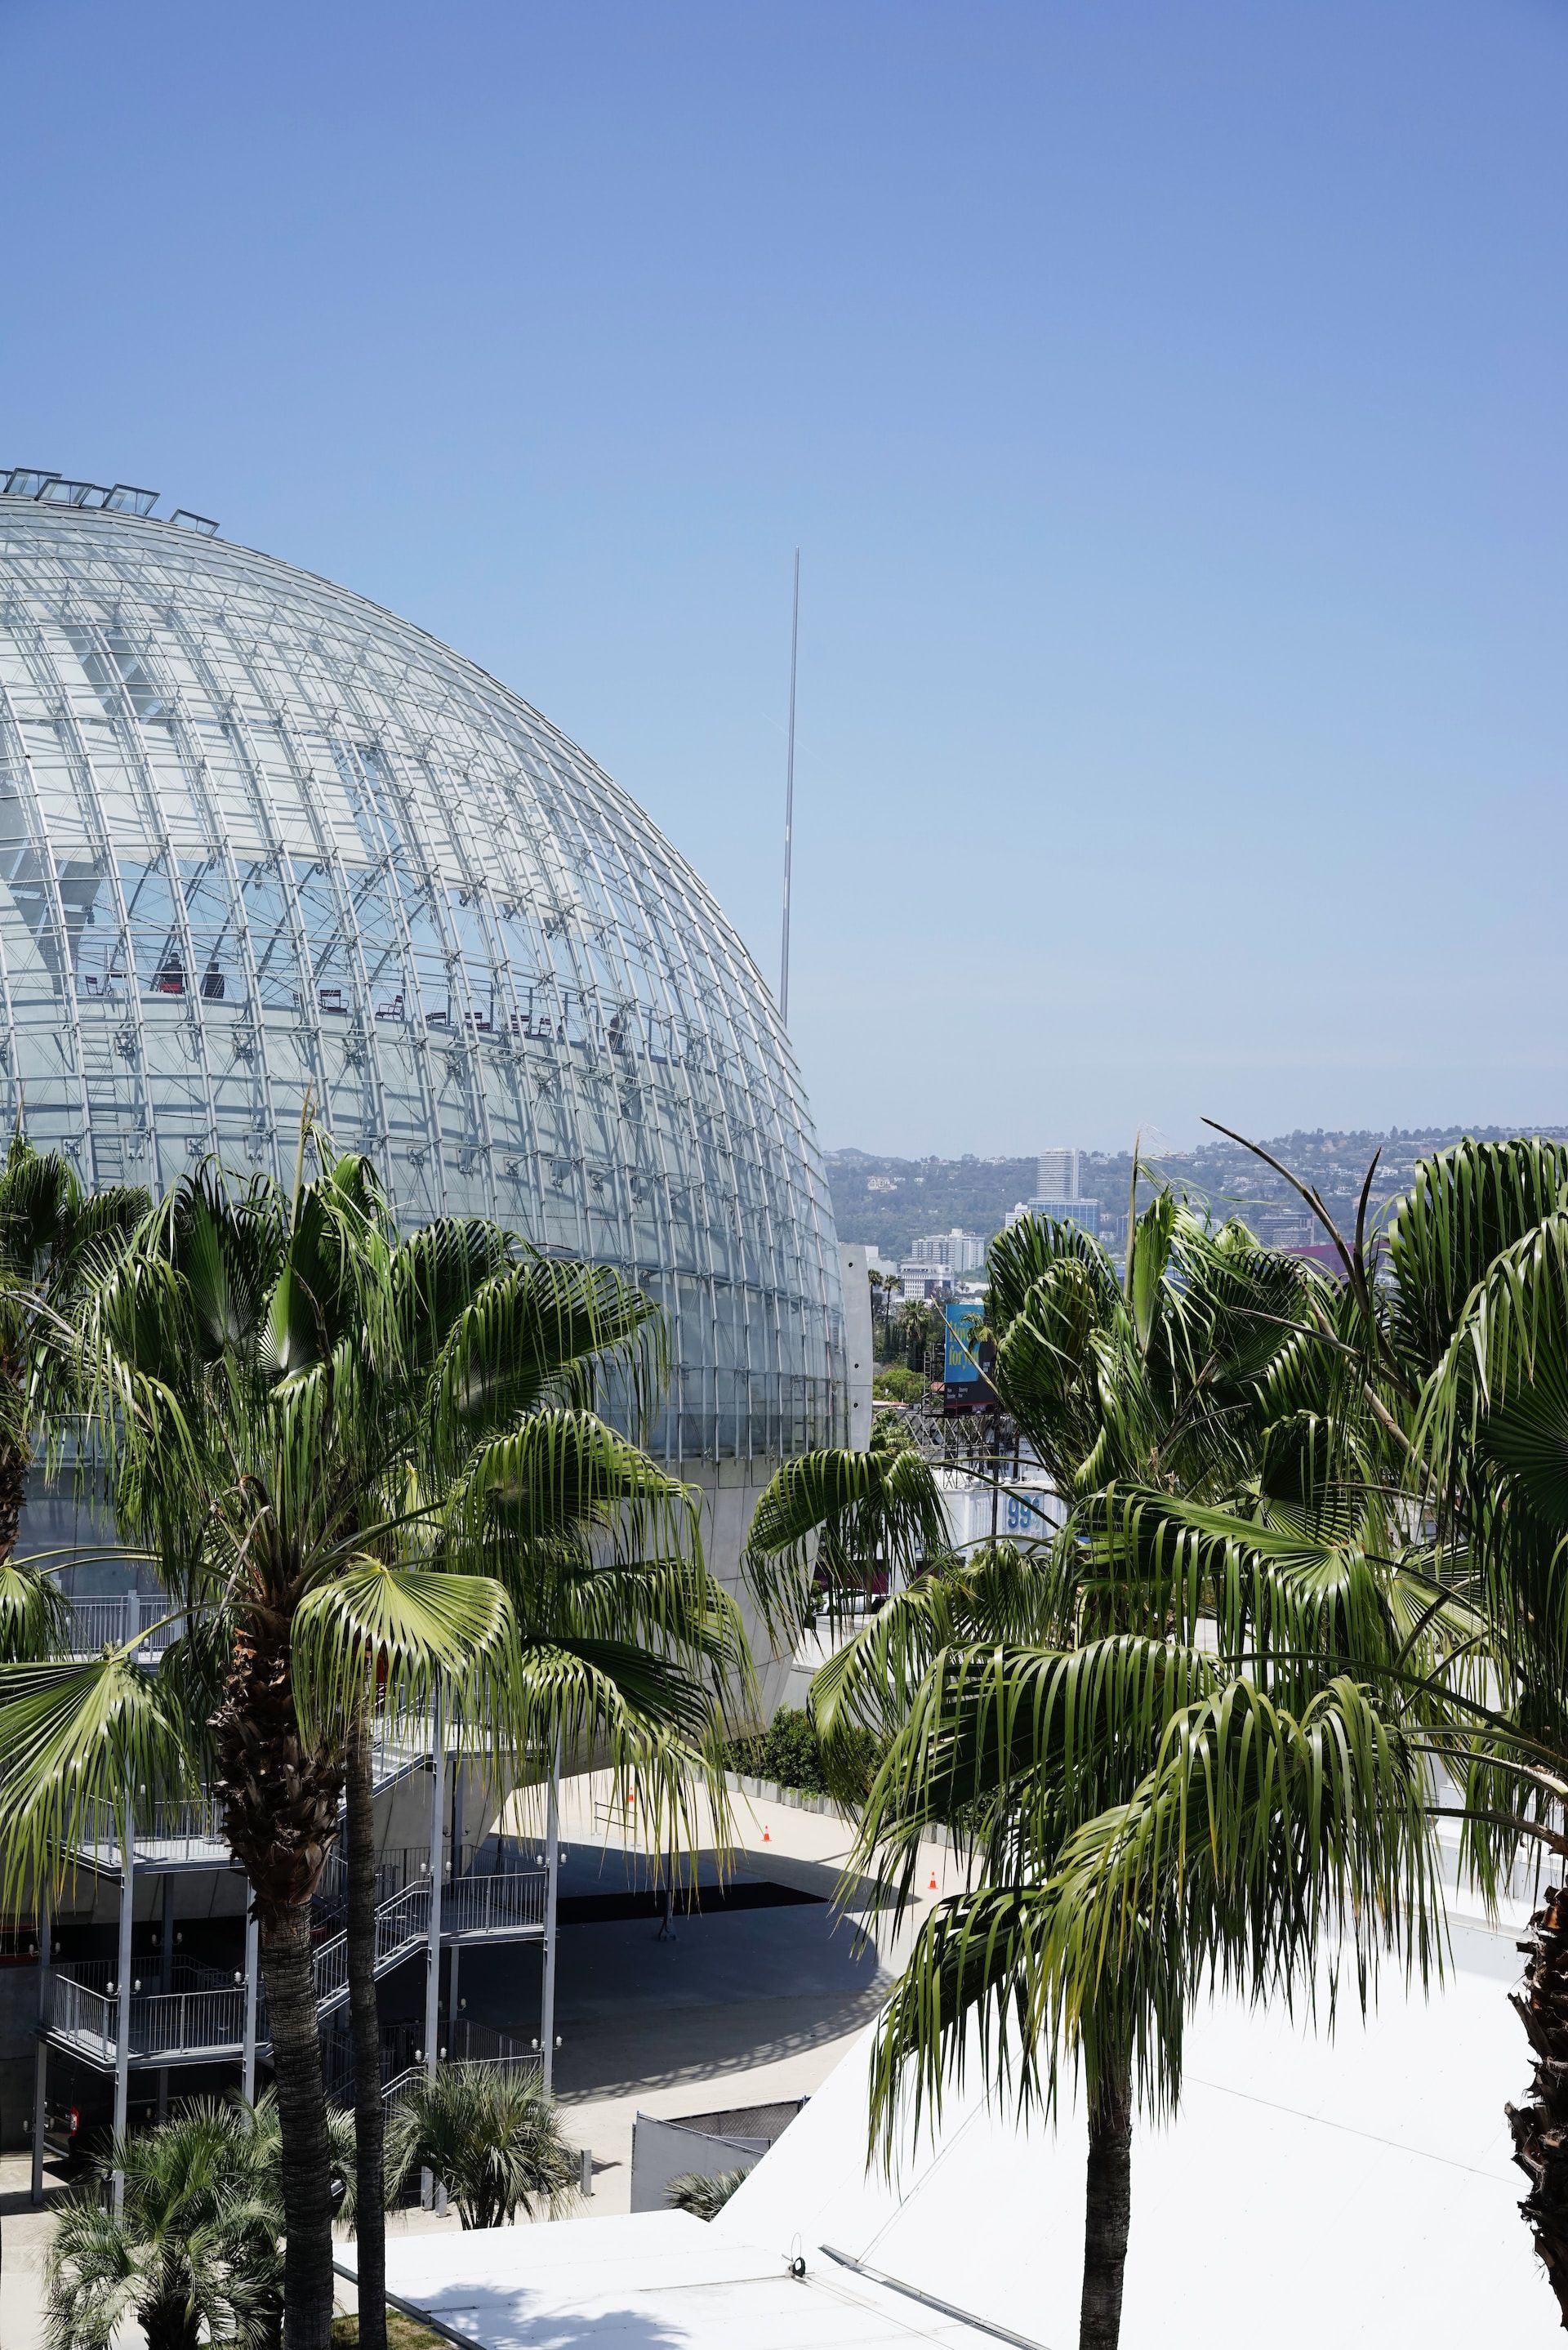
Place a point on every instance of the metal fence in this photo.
(161, 2023)
(402, 1924)
(112, 1620)
(495, 1905)
(483, 2048)
(185, 1974)
(163, 1831)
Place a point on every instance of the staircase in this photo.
(206, 2022)
(473, 1909)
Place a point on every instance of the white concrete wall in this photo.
(1025, 1512)
(857, 1342)
(730, 1492)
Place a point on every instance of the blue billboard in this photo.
(962, 1318)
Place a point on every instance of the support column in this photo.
(453, 2003)
(252, 1979)
(166, 1980)
(122, 2025)
(41, 2062)
(432, 1959)
(551, 1883)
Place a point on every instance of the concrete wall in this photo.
(19, 2015)
(730, 1492)
(662, 2152)
(858, 1340)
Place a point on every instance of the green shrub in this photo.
(703, 2197)
(789, 1752)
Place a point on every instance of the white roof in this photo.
(1357, 2189)
(649, 2280)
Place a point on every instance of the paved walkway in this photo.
(743, 2008)
(23, 2233)
(746, 2008)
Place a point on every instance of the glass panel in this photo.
(258, 839)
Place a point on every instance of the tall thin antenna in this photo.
(789, 797)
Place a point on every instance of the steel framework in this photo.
(261, 841)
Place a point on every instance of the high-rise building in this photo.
(1084, 1213)
(1056, 1175)
(958, 1251)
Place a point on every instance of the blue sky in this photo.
(1169, 401)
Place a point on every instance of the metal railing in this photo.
(493, 1905)
(163, 1831)
(186, 1974)
(474, 2048)
(402, 1924)
(161, 2023)
(481, 2047)
(110, 1620)
(398, 2088)
(395, 1870)
(402, 1745)
(469, 1906)
(194, 1831)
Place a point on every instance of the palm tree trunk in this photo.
(1541, 2128)
(290, 1979)
(365, 2024)
(169, 2324)
(280, 1812)
(1108, 2214)
(14, 1466)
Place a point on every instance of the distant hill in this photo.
(887, 1203)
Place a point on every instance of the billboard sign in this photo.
(967, 1357)
(961, 1318)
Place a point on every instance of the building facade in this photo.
(263, 844)
(957, 1252)
(1084, 1213)
(1057, 1175)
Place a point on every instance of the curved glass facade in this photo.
(260, 839)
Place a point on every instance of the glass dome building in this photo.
(261, 841)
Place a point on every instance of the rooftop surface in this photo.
(1355, 2187)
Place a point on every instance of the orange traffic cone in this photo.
(767, 1836)
(932, 1886)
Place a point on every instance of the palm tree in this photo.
(192, 2254)
(347, 1452)
(455, 1337)
(703, 2193)
(1454, 1364)
(1478, 1323)
(1066, 1705)
(492, 2137)
(54, 1238)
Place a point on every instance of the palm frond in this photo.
(848, 1513)
(1254, 1843)
(1008, 1750)
(414, 1630)
(81, 1743)
(34, 1613)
